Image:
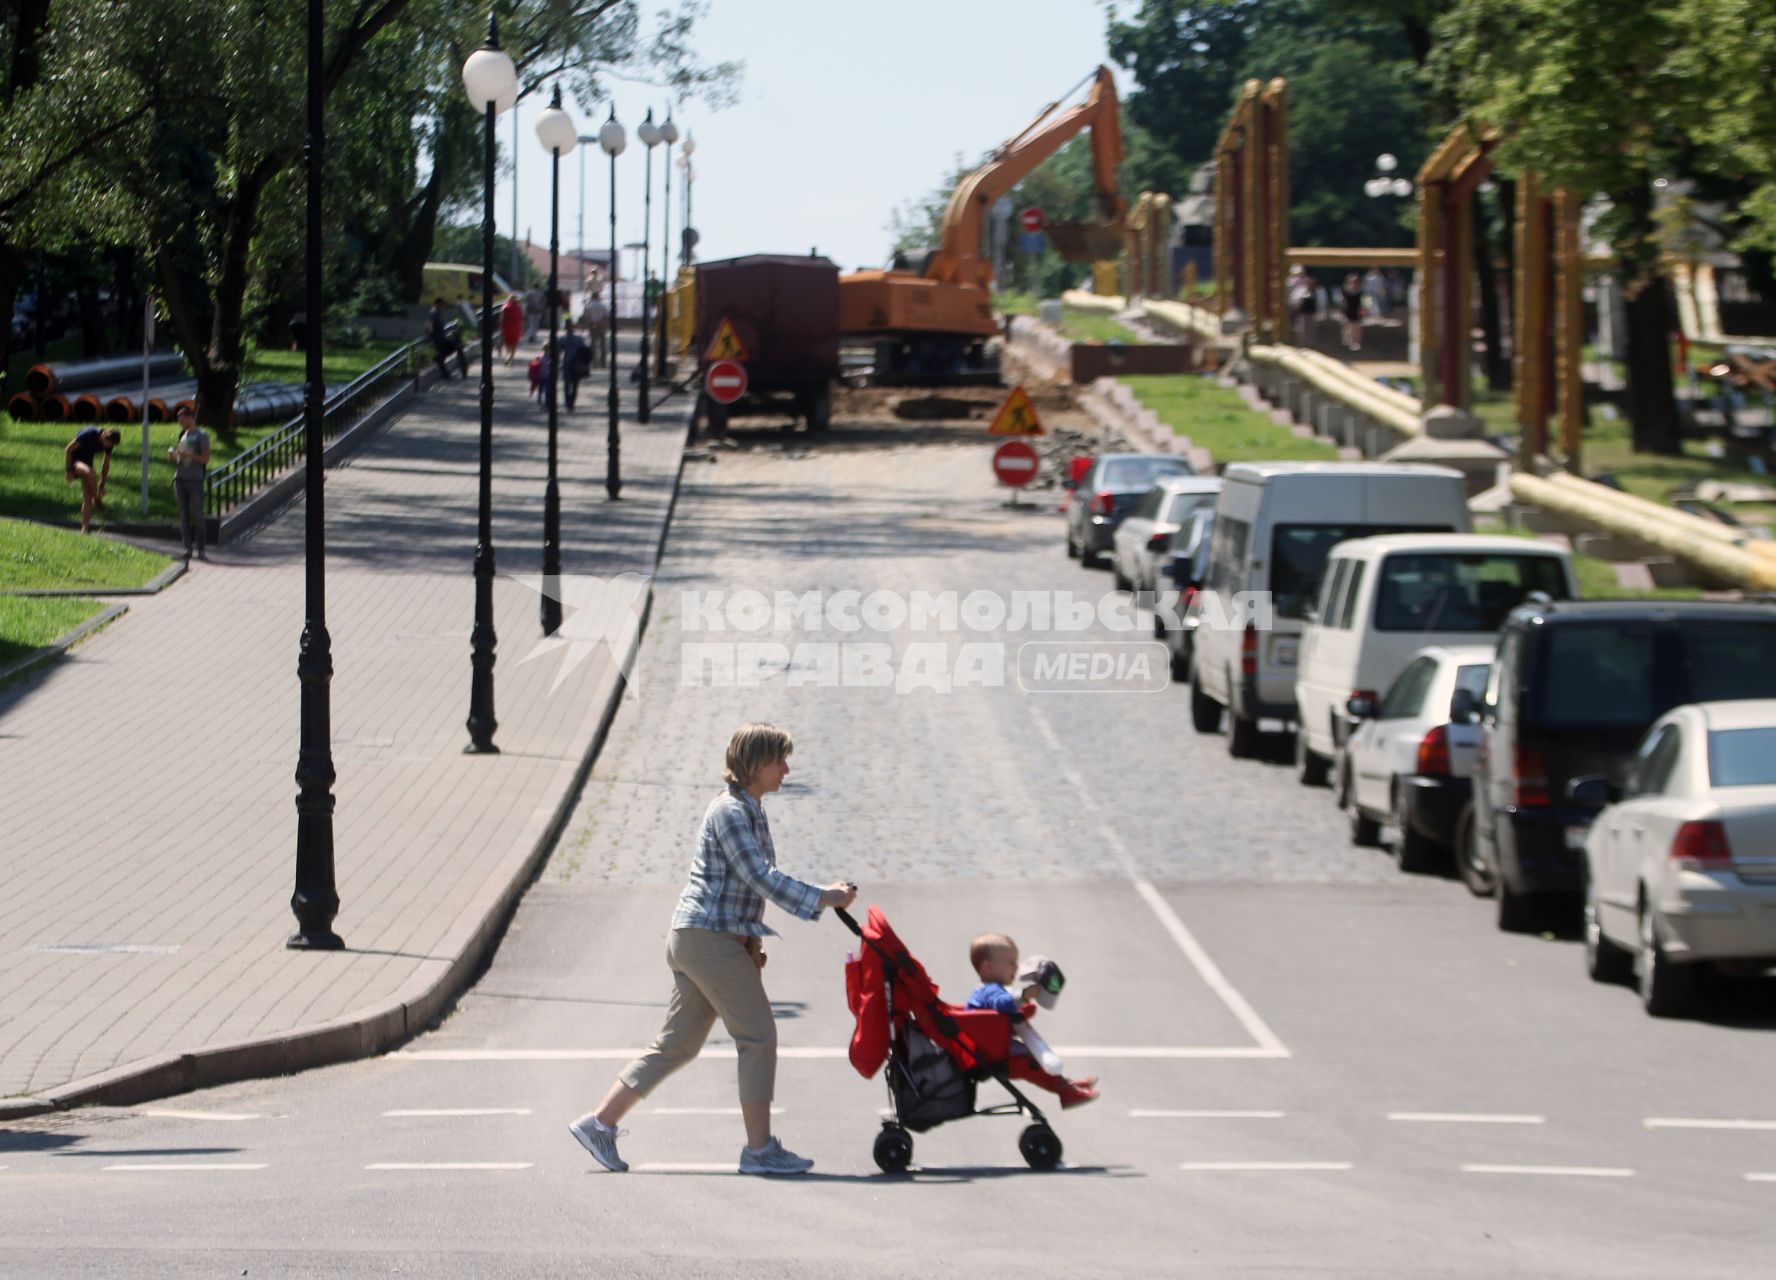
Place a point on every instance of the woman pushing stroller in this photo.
(715, 951)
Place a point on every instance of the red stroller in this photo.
(935, 1053)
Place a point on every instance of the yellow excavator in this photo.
(931, 326)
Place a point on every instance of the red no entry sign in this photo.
(725, 381)
(1014, 462)
(1031, 219)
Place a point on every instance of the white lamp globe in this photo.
(556, 131)
(648, 132)
(1385, 162)
(489, 76)
(612, 138)
(1375, 186)
(1402, 186)
(668, 132)
(690, 144)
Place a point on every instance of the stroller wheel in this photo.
(1040, 1146)
(894, 1149)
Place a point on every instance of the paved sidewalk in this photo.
(147, 816)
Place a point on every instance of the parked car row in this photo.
(1613, 760)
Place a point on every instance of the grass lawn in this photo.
(1597, 578)
(1216, 419)
(339, 364)
(1015, 304)
(28, 623)
(34, 558)
(1096, 326)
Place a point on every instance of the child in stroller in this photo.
(936, 1053)
(995, 960)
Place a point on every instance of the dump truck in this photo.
(781, 311)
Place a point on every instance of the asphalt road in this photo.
(1311, 1065)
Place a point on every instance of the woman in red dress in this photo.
(511, 326)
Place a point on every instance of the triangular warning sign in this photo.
(726, 344)
(1016, 417)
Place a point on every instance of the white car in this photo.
(1408, 764)
(1143, 541)
(1681, 869)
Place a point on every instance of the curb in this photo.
(421, 1003)
(62, 643)
(172, 573)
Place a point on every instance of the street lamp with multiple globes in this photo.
(315, 901)
(649, 133)
(555, 130)
(668, 135)
(1381, 184)
(612, 140)
(492, 84)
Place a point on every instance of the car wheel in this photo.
(1344, 792)
(1311, 768)
(1605, 961)
(1516, 911)
(1180, 664)
(1666, 989)
(1089, 558)
(1243, 738)
(1205, 712)
(1118, 577)
(1365, 831)
(1413, 853)
(1072, 546)
(1470, 862)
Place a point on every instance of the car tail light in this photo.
(1369, 694)
(1103, 504)
(1249, 651)
(1186, 596)
(1701, 846)
(1532, 776)
(1433, 753)
(1159, 541)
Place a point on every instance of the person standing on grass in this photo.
(715, 951)
(190, 456)
(80, 454)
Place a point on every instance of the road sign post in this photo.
(1015, 464)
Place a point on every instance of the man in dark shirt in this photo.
(444, 343)
(82, 451)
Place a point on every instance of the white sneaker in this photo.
(600, 1141)
(775, 1158)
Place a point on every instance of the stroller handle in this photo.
(850, 923)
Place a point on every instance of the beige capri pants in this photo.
(713, 975)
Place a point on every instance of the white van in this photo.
(1384, 598)
(1275, 525)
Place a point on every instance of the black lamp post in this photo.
(668, 135)
(649, 133)
(492, 83)
(315, 901)
(612, 139)
(687, 241)
(555, 130)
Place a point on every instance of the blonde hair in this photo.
(751, 748)
(983, 948)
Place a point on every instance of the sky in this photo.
(847, 110)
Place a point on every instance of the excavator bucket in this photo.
(1086, 241)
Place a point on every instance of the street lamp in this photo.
(687, 241)
(492, 84)
(649, 133)
(316, 901)
(1381, 184)
(668, 135)
(612, 140)
(555, 130)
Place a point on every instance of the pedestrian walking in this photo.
(576, 363)
(444, 343)
(595, 315)
(1375, 292)
(534, 300)
(1351, 304)
(716, 954)
(511, 326)
(1301, 303)
(190, 456)
(79, 455)
(539, 376)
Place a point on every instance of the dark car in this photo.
(1574, 688)
(1108, 491)
(1182, 576)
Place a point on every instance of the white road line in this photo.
(699, 1111)
(824, 1053)
(460, 1111)
(182, 1168)
(1549, 1170)
(1268, 1044)
(163, 1113)
(1462, 1117)
(731, 1166)
(1678, 1122)
(1750, 1177)
(1265, 1166)
(1136, 1113)
(448, 1166)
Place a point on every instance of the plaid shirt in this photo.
(735, 870)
